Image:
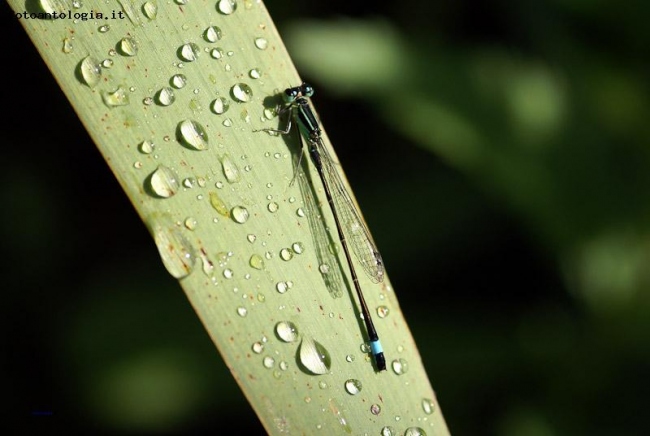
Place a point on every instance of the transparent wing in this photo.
(357, 234)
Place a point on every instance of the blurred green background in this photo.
(510, 140)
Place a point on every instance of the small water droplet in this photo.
(255, 73)
(164, 182)
(165, 96)
(414, 431)
(119, 97)
(286, 331)
(383, 311)
(251, 238)
(226, 7)
(230, 169)
(227, 122)
(216, 53)
(150, 10)
(353, 386)
(281, 287)
(176, 252)
(192, 134)
(240, 214)
(189, 182)
(89, 71)
(273, 207)
(324, 268)
(258, 347)
(128, 46)
(375, 409)
(242, 311)
(428, 406)
(190, 223)
(322, 385)
(219, 105)
(388, 431)
(400, 366)
(67, 45)
(261, 43)
(188, 52)
(300, 212)
(297, 247)
(228, 273)
(103, 29)
(314, 357)
(178, 81)
(241, 92)
(256, 261)
(349, 358)
(283, 365)
(212, 34)
(286, 254)
(268, 362)
(77, 4)
(217, 204)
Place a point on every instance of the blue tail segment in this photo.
(378, 354)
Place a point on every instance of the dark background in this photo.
(523, 275)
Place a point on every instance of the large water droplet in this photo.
(226, 7)
(146, 147)
(128, 46)
(188, 52)
(175, 250)
(119, 97)
(192, 134)
(212, 34)
(53, 6)
(217, 204)
(240, 214)
(241, 92)
(178, 81)
(254, 73)
(165, 96)
(375, 409)
(219, 105)
(388, 431)
(256, 262)
(314, 357)
(286, 331)
(400, 366)
(428, 406)
(89, 71)
(230, 169)
(353, 386)
(383, 311)
(150, 10)
(164, 182)
(414, 431)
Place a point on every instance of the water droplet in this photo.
(251, 238)
(287, 331)
(216, 53)
(300, 212)
(324, 268)
(428, 406)
(349, 358)
(230, 169)
(212, 34)
(297, 247)
(226, 7)
(353, 386)
(261, 43)
(119, 97)
(165, 96)
(89, 71)
(400, 366)
(258, 347)
(315, 358)
(240, 214)
(219, 105)
(77, 4)
(103, 29)
(286, 254)
(227, 122)
(268, 362)
(281, 287)
(414, 431)
(176, 252)
(190, 223)
(241, 311)
(150, 10)
(217, 204)
(388, 431)
(283, 365)
(128, 46)
(178, 81)
(228, 273)
(67, 46)
(192, 134)
(273, 207)
(255, 73)
(188, 52)
(383, 311)
(164, 182)
(256, 261)
(241, 92)
(375, 409)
